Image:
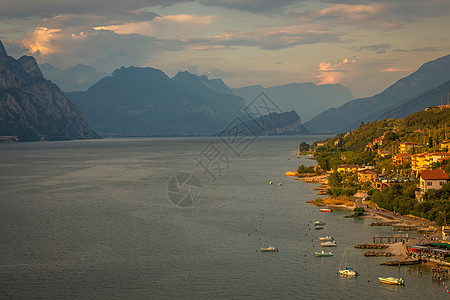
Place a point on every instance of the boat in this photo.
(319, 223)
(326, 238)
(329, 244)
(392, 280)
(346, 271)
(269, 249)
(326, 210)
(323, 253)
(318, 227)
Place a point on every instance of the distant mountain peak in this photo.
(2, 50)
(30, 66)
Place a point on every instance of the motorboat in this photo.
(329, 244)
(326, 238)
(326, 210)
(318, 227)
(269, 249)
(392, 280)
(319, 223)
(323, 253)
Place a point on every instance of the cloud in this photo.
(375, 14)
(164, 26)
(51, 8)
(393, 69)
(107, 50)
(40, 41)
(332, 73)
(426, 49)
(254, 6)
(271, 39)
(379, 48)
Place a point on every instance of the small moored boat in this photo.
(319, 223)
(318, 227)
(269, 249)
(323, 253)
(329, 244)
(346, 271)
(326, 210)
(392, 280)
(326, 238)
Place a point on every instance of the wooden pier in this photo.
(403, 227)
(394, 239)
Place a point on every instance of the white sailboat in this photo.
(346, 271)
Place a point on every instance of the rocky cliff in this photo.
(33, 108)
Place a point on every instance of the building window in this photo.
(429, 183)
(441, 182)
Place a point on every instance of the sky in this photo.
(363, 45)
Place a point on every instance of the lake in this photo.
(140, 218)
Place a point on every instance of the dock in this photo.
(396, 238)
(401, 262)
(372, 246)
(403, 227)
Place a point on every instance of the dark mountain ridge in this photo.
(146, 102)
(350, 115)
(429, 98)
(33, 108)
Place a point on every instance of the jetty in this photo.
(378, 253)
(383, 223)
(372, 246)
(395, 238)
(403, 227)
(401, 262)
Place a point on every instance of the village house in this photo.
(431, 179)
(383, 153)
(436, 157)
(445, 144)
(367, 175)
(369, 146)
(348, 168)
(406, 146)
(418, 162)
(378, 141)
(400, 159)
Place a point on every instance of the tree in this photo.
(335, 179)
(304, 147)
(391, 136)
(358, 211)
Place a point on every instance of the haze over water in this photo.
(92, 219)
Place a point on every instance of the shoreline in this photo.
(398, 250)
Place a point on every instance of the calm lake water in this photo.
(93, 220)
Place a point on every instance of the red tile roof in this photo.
(434, 174)
(368, 171)
(348, 166)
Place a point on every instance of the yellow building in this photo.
(445, 144)
(378, 141)
(418, 162)
(367, 175)
(436, 157)
(406, 146)
(348, 168)
(400, 159)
